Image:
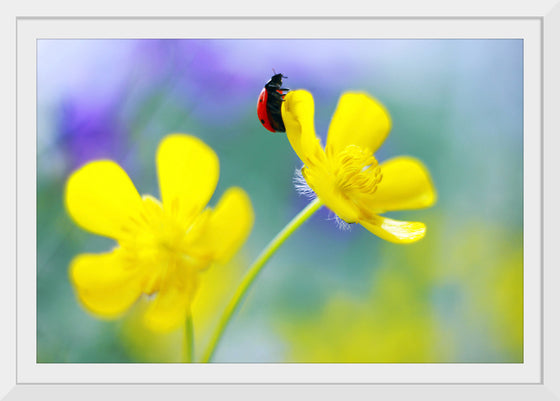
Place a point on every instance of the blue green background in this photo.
(327, 295)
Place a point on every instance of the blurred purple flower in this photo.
(90, 131)
(198, 74)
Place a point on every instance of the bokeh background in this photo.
(327, 295)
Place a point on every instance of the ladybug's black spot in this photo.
(262, 121)
(260, 100)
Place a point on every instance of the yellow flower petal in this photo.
(405, 185)
(227, 227)
(104, 283)
(188, 171)
(298, 111)
(358, 120)
(169, 309)
(322, 183)
(101, 198)
(399, 232)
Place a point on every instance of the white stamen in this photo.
(340, 224)
(301, 186)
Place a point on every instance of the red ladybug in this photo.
(270, 103)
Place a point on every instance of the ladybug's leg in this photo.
(276, 96)
(274, 108)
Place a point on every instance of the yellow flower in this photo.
(346, 176)
(162, 246)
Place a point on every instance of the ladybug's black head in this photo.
(275, 82)
(277, 79)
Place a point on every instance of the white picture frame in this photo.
(22, 378)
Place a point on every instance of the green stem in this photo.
(188, 346)
(255, 269)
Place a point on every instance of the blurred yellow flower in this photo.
(162, 246)
(214, 291)
(354, 330)
(346, 176)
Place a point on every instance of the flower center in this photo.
(156, 231)
(357, 171)
(157, 244)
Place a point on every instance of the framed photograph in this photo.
(269, 205)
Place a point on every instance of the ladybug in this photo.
(270, 103)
